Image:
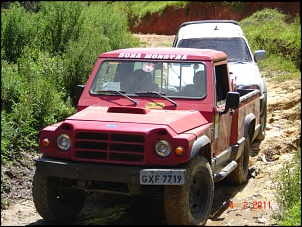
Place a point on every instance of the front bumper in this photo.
(88, 171)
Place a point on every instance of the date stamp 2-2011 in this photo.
(253, 205)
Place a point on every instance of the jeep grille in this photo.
(109, 147)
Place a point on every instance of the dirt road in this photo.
(250, 204)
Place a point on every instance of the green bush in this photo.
(287, 190)
(17, 134)
(33, 97)
(44, 97)
(138, 9)
(44, 56)
(8, 140)
(40, 105)
(59, 23)
(292, 217)
(11, 85)
(115, 25)
(16, 31)
(275, 35)
(104, 28)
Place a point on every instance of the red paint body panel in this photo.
(149, 131)
(177, 120)
(166, 53)
(208, 56)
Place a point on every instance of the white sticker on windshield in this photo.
(148, 67)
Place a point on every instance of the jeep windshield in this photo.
(235, 48)
(142, 78)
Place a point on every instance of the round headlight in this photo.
(63, 142)
(163, 148)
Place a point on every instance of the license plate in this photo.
(162, 176)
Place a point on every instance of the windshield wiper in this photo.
(157, 93)
(119, 92)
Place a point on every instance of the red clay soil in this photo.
(169, 21)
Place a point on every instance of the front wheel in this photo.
(54, 202)
(191, 203)
(240, 174)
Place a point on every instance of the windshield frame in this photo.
(161, 73)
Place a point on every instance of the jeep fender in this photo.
(198, 144)
(249, 127)
(248, 131)
(263, 98)
(263, 87)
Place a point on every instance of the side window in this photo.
(222, 82)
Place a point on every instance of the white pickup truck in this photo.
(227, 36)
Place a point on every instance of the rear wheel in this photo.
(190, 203)
(53, 202)
(240, 174)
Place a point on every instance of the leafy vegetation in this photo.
(140, 9)
(44, 55)
(280, 36)
(288, 192)
(50, 47)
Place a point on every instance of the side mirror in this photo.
(232, 101)
(259, 55)
(79, 91)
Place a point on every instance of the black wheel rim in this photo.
(198, 195)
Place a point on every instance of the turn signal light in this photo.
(179, 151)
(46, 142)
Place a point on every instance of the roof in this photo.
(166, 53)
(209, 21)
(210, 28)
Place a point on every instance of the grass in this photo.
(280, 36)
(287, 190)
(279, 69)
(293, 216)
(141, 8)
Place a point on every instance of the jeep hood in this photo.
(178, 120)
(245, 73)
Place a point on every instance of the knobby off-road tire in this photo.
(240, 175)
(54, 203)
(191, 203)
